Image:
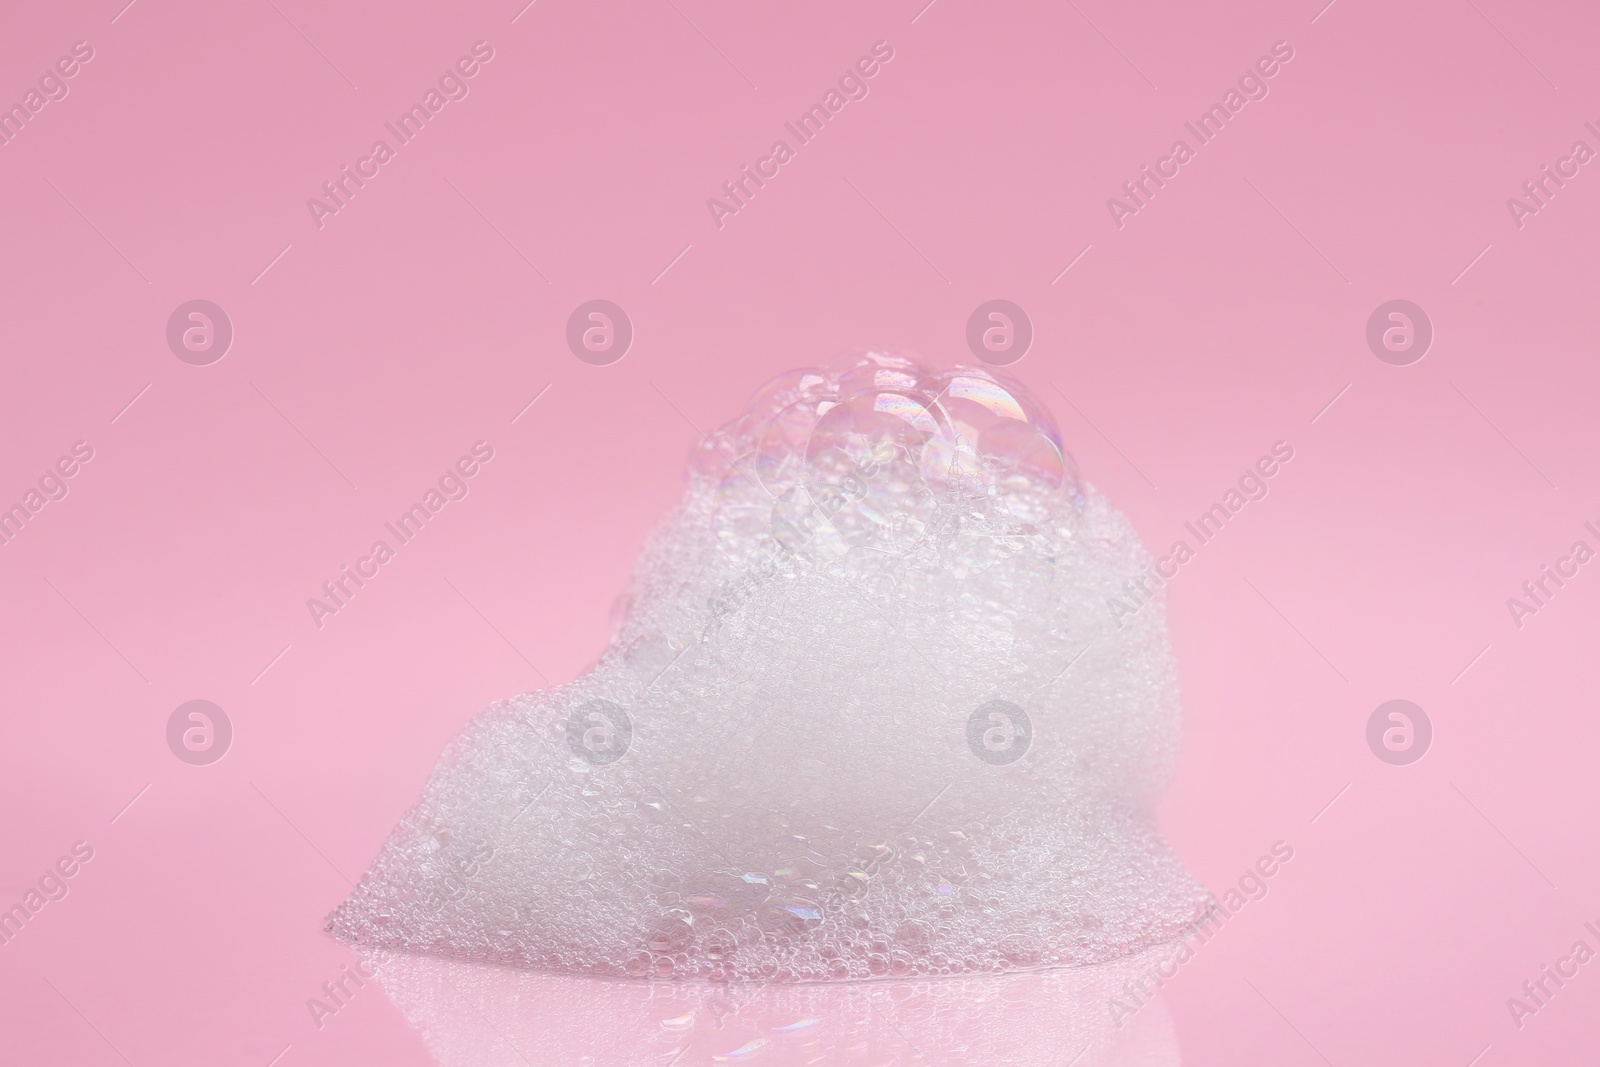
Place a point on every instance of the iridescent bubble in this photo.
(877, 372)
(1002, 445)
(790, 387)
(956, 470)
(716, 451)
(792, 914)
(862, 469)
(743, 506)
(781, 447)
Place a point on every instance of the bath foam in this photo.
(867, 716)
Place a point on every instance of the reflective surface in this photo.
(482, 1015)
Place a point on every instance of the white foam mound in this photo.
(868, 716)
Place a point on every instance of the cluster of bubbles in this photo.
(978, 894)
(931, 904)
(888, 459)
(862, 719)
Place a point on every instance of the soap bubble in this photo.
(791, 387)
(781, 447)
(1001, 446)
(862, 469)
(881, 372)
(671, 934)
(957, 468)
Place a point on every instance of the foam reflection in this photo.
(483, 1015)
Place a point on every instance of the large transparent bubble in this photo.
(884, 459)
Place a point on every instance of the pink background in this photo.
(1221, 318)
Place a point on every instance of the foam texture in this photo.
(868, 715)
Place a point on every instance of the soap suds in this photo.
(866, 717)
